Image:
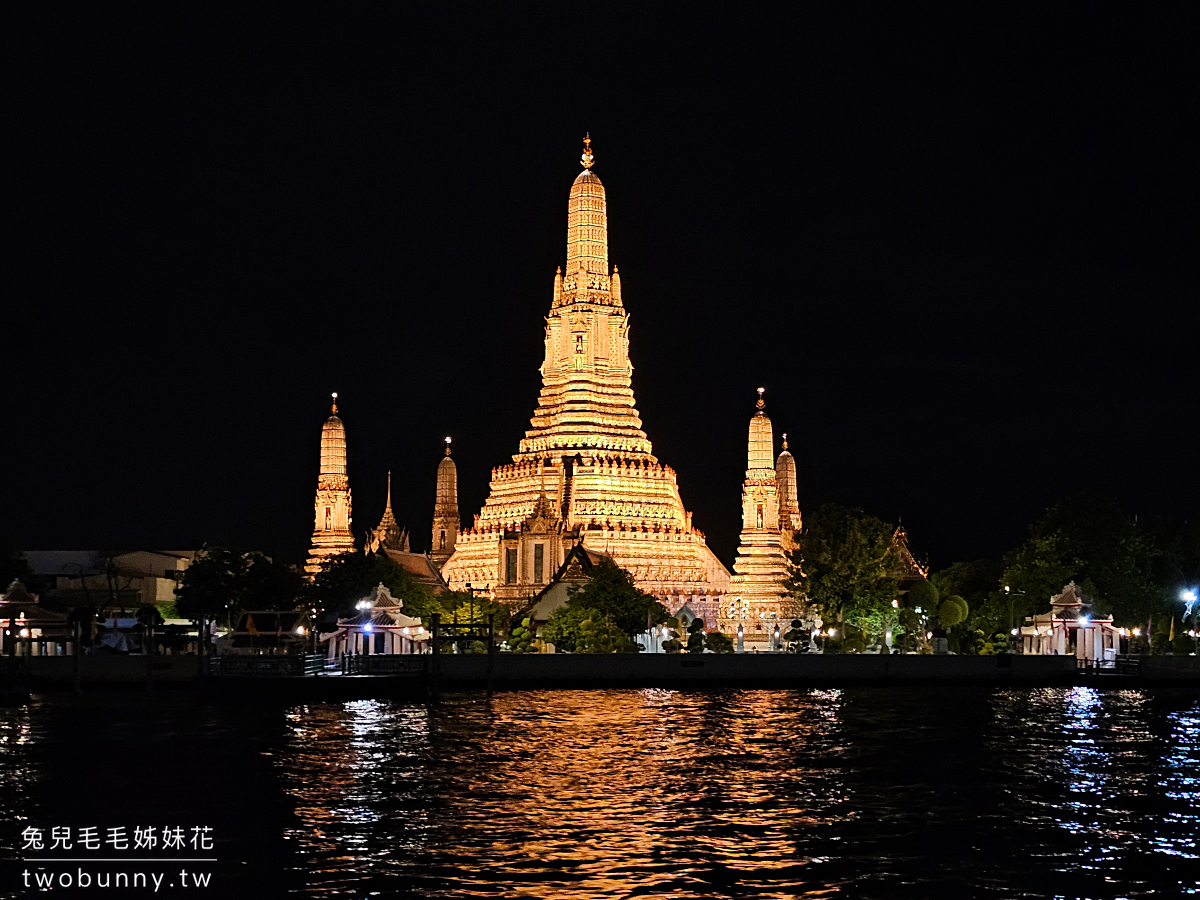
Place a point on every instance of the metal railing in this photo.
(387, 664)
(270, 665)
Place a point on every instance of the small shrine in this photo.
(377, 627)
(1070, 628)
(23, 620)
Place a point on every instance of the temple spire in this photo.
(445, 510)
(587, 228)
(332, 506)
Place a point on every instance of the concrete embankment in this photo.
(748, 670)
(516, 672)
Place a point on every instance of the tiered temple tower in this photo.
(331, 530)
(757, 600)
(585, 470)
(388, 535)
(445, 511)
(789, 501)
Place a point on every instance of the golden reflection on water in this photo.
(554, 793)
(866, 792)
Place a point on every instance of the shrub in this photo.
(952, 611)
(718, 642)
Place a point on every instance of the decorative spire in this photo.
(447, 445)
(587, 159)
(785, 440)
(388, 508)
(761, 403)
(335, 403)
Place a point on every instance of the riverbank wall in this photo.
(586, 671)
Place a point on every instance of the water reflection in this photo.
(862, 792)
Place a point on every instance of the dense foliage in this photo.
(221, 584)
(845, 566)
(603, 615)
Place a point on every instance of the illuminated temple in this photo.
(585, 470)
(757, 600)
(331, 528)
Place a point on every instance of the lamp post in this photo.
(1012, 598)
(1189, 598)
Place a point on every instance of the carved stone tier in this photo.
(585, 470)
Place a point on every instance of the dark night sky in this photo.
(959, 251)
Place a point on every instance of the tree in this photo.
(718, 642)
(695, 641)
(601, 634)
(1088, 540)
(952, 611)
(563, 630)
(467, 609)
(14, 567)
(521, 638)
(211, 585)
(845, 566)
(222, 584)
(613, 593)
(923, 595)
(346, 579)
(267, 584)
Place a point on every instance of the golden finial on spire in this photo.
(447, 445)
(785, 440)
(587, 159)
(335, 403)
(760, 404)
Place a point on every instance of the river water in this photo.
(860, 792)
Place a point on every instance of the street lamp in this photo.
(1189, 598)
(1012, 598)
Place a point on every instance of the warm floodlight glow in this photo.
(24, 632)
(300, 630)
(833, 632)
(895, 604)
(1137, 632)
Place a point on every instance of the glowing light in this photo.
(363, 604)
(300, 630)
(1137, 632)
(928, 635)
(405, 630)
(1189, 598)
(918, 610)
(833, 632)
(895, 604)
(1014, 632)
(1007, 589)
(368, 628)
(1082, 621)
(24, 632)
